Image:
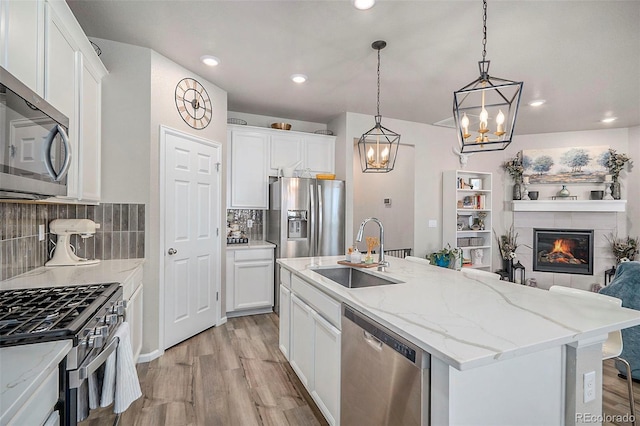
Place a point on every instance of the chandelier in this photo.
(485, 110)
(378, 147)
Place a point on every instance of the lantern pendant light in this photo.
(378, 147)
(485, 110)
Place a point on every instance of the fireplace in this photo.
(565, 251)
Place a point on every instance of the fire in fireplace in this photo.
(564, 251)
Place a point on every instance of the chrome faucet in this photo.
(382, 264)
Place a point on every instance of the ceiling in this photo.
(582, 57)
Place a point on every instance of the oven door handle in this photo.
(76, 377)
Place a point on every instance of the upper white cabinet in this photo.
(89, 159)
(314, 152)
(248, 177)
(256, 153)
(44, 46)
(21, 41)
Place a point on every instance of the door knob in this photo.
(172, 251)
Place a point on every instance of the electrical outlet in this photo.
(41, 232)
(589, 386)
(433, 223)
(249, 223)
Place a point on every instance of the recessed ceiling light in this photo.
(609, 119)
(537, 102)
(212, 61)
(299, 78)
(364, 4)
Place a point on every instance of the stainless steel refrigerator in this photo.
(305, 218)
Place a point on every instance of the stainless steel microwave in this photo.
(34, 147)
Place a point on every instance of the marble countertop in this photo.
(251, 245)
(469, 322)
(23, 370)
(106, 271)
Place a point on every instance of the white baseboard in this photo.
(221, 321)
(249, 312)
(148, 357)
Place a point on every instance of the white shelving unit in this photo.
(462, 206)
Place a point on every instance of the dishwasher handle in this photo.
(371, 340)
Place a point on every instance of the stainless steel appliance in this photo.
(34, 148)
(305, 218)
(88, 315)
(385, 380)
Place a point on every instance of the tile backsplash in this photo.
(241, 216)
(120, 236)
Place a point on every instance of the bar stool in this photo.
(612, 347)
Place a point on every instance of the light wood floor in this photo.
(235, 375)
(228, 375)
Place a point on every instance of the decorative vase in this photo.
(564, 192)
(615, 190)
(507, 266)
(517, 190)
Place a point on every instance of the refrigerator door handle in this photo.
(319, 227)
(312, 222)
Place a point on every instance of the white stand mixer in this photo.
(64, 228)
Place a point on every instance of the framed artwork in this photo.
(566, 165)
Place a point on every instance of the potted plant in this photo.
(624, 248)
(445, 257)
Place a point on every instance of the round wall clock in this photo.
(193, 103)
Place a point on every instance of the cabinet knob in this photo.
(172, 251)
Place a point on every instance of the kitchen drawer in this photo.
(40, 405)
(325, 305)
(254, 254)
(285, 277)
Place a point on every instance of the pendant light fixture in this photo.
(485, 110)
(378, 147)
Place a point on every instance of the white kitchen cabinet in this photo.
(326, 368)
(89, 159)
(248, 176)
(21, 41)
(314, 352)
(320, 154)
(45, 47)
(286, 149)
(132, 293)
(249, 286)
(466, 215)
(285, 311)
(285, 320)
(315, 152)
(38, 408)
(302, 341)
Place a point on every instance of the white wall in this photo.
(632, 184)
(138, 97)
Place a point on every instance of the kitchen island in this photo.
(500, 353)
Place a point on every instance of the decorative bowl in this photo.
(281, 126)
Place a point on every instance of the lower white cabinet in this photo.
(132, 290)
(314, 352)
(326, 368)
(285, 320)
(249, 286)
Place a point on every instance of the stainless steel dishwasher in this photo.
(385, 379)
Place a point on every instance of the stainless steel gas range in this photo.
(88, 315)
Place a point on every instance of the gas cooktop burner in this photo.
(51, 313)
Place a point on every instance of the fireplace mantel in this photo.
(569, 206)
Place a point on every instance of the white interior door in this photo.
(191, 235)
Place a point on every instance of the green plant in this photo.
(444, 256)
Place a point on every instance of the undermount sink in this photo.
(353, 278)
